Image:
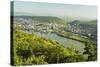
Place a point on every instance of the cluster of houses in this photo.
(81, 29)
(42, 27)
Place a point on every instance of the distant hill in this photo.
(42, 19)
(21, 14)
(91, 23)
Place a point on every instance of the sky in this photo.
(52, 9)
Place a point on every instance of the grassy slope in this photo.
(31, 49)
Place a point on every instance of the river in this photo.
(64, 41)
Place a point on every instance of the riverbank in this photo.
(71, 36)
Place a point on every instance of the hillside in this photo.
(29, 49)
(41, 19)
(92, 23)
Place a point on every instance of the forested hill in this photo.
(29, 49)
(91, 23)
(44, 19)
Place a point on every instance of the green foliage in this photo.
(91, 50)
(29, 49)
(76, 58)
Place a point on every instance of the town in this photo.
(31, 25)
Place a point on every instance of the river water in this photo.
(64, 41)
